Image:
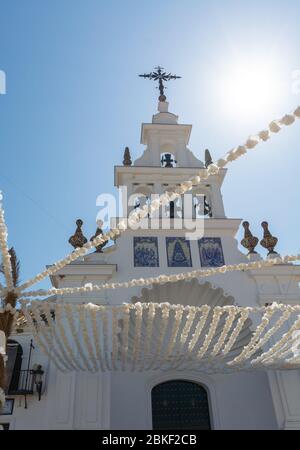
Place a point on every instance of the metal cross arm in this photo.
(160, 75)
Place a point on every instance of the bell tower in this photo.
(166, 162)
(165, 136)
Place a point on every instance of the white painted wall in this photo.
(237, 401)
(122, 400)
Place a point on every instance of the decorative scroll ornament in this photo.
(152, 336)
(127, 157)
(269, 242)
(78, 239)
(249, 241)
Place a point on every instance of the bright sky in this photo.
(74, 101)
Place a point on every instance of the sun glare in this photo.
(248, 90)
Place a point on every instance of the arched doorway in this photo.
(180, 405)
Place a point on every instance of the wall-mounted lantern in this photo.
(37, 378)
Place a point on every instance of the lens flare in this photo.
(248, 90)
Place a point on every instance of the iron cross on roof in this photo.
(160, 75)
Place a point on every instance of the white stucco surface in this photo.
(122, 400)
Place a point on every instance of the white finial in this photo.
(163, 107)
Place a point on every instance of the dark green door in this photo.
(180, 405)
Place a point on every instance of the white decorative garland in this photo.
(231, 341)
(205, 309)
(250, 348)
(218, 311)
(162, 279)
(58, 319)
(184, 344)
(188, 324)
(4, 248)
(114, 336)
(70, 318)
(125, 335)
(269, 357)
(8, 308)
(287, 349)
(177, 320)
(37, 334)
(86, 339)
(149, 330)
(166, 197)
(93, 314)
(130, 342)
(42, 330)
(165, 312)
(231, 311)
(138, 327)
(48, 331)
(56, 339)
(103, 312)
(285, 316)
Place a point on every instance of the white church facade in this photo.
(185, 398)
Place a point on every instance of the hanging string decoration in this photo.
(166, 278)
(110, 356)
(152, 336)
(135, 218)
